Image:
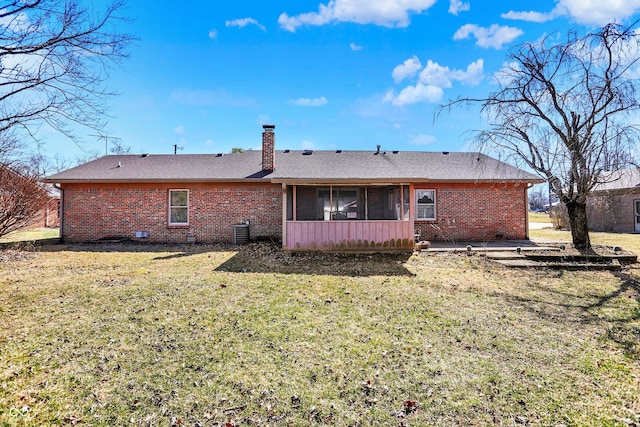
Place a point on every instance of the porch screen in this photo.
(338, 204)
(384, 202)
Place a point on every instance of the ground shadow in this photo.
(270, 258)
(55, 245)
(622, 330)
(257, 257)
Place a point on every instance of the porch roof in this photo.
(298, 166)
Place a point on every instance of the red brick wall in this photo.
(96, 211)
(268, 147)
(477, 212)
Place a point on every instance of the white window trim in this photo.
(171, 206)
(435, 204)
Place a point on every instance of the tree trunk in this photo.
(579, 227)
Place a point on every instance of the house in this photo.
(24, 202)
(308, 199)
(614, 205)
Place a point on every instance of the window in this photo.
(425, 204)
(178, 207)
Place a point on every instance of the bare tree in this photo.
(22, 199)
(565, 111)
(537, 199)
(54, 59)
(119, 148)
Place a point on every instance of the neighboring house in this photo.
(49, 217)
(614, 205)
(18, 196)
(309, 200)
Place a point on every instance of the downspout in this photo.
(526, 209)
(61, 219)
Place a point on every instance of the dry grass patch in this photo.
(627, 241)
(153, 335)
(539, 217)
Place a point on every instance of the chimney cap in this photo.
(265, 127)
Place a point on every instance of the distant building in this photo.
(614, 205)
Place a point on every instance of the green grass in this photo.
(157, 335)
(30, 235)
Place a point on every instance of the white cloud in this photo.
(431, 81)
(213, 34)
(15, 22)
(473, 75)
(354, 47)
(533, 16)
(179, 130)
(243, 22)
(422, 139)
(504, 76)
(309, 102)
(588, 12)
(601, 12)
(387, 13)
(456, 6)
(408, 69)
(437, 75)
(495, 36)
(415, 94)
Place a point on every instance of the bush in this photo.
(559, 217)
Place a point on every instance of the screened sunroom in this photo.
(348, 217)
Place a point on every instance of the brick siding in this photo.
(476, 212)
(612, 211)
(98, 211)
(479, 212)
(268, 147)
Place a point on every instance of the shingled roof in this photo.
(621, 179)
(299, 166)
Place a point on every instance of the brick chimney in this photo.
(268, 148)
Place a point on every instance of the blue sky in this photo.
(346, 74)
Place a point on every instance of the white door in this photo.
(637, 212)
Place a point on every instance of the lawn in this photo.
(109, 335)
(539, 217)
(627, 241)
(31, 235)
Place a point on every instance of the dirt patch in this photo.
(270, 258)
(568, 250)
(12, 255)
(600, 254)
